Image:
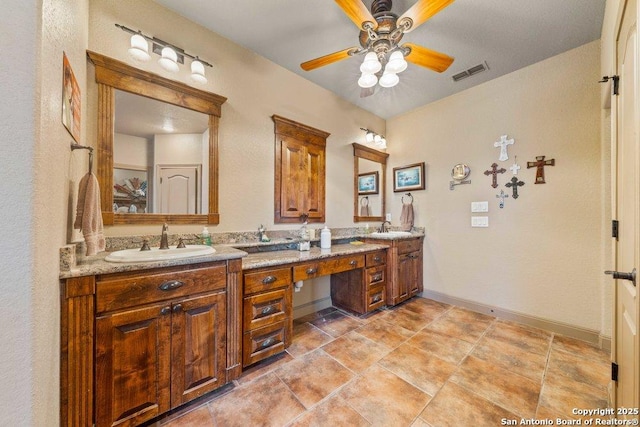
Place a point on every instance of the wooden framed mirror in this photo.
(369, 183)
(119, 83)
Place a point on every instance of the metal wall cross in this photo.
(540, 163)
(514, 184)
(494, 171)
(501, 196)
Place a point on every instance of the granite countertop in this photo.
(96, 264)
(274, 258)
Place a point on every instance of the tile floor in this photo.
(422, 363)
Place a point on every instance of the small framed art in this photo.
(410, 177)
(368, 183)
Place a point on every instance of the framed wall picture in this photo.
(368, 183)
(410, 177)
(70, 100)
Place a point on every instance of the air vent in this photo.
(470, 72)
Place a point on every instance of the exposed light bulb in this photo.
(367, 80)
(389, 79)
(169, 60)
(371, 64)
(139, 49)
(197, 72)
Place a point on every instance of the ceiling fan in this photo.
(380, 34)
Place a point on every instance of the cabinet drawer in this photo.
(376, 258)
(264, 342)
(122, 291)
(267, 280)
(375, 276)
(266, 308)
(310, 270)
(375, 298)
(406, 246)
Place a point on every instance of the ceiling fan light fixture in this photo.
(367, 80)
(397, 63)
(371, 64)
(139, 49)
(197, 72)
(169, 60)
(389, 79)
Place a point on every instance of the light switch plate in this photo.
(479, 221)
(388, 217)
(479, 206)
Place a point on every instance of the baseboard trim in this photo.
(584, 334)
(311, 307)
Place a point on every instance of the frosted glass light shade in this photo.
(139, 49)
(382, 143)
(370, 65)
(169, 60)
(369, 136)
(367, 80)
(197, 72)
(396, 63)
(389, 79)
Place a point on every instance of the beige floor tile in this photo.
(372, 316)
(562, 394)
(306, 338)
(355, 351)
(407, 319)
(456, 406)
(580, 348)
(264, 367)
(529, 339)
(332, 412)
(313, 377)
(462, 324)
(384, 399)
(491, 381)
(544, 413)
(444, 346)
(336, 323)
(593, 372)
(263, 402)
(419, 368)
(511, 357)
(385, 333)
(199, 417)
(427, 308)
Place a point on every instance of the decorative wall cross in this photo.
(494, 171)
(515, 167)
(501, 196)
(514, 184)
(540, 163)
(503, 147)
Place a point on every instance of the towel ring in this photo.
(84, 147)
(408, 194)
(364, 201)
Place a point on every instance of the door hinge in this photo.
(614, 228)
(616, 81)
(614, 371)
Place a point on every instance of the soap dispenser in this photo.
(206, 236)
(325, 238)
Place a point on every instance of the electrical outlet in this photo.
(388, 217)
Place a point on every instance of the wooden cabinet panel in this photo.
(261, 343)
(361, 289)
(319, 268)
(375, 298)
(132, 365)
(315, 162)
(406, 246)
(376, 276)
(198, 347)
(266, 308)
(266, 280)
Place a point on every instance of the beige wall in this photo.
(542, 255)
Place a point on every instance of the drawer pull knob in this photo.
(377, 298)
(267, 310)
(177, 308)
(377, 259)
(354, 263)
(377, 277)
(268, 342)
(170, 285)
(165, 311)
(312, 270)
(269, 279)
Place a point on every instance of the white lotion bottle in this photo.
(325, 238)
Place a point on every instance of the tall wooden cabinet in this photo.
(299, 172)
(404, 267)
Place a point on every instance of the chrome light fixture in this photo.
(376, 139)
(170, 55)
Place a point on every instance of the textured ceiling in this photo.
(507, 34)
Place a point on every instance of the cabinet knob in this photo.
(269, 279)
(165, 310)
(377, 258)
(312, 270)
(177, 308)
(353, 263)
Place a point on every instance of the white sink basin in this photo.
(390, 234)
(155, 254)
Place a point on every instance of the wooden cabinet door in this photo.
(133, 365)
(198, 347)
(415, 286)
(293, 179)
(315, 164)
(405, 278)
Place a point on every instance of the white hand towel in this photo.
(89, 214)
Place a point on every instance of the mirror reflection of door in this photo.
(179, 189)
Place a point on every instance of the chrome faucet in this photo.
(164, 238)
(383, 228)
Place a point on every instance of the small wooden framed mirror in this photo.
(369, 183)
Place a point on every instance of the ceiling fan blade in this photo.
(428, 58)
(357, 12)
(327, 59)
(423, 10)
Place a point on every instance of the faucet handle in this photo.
(145, 245)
